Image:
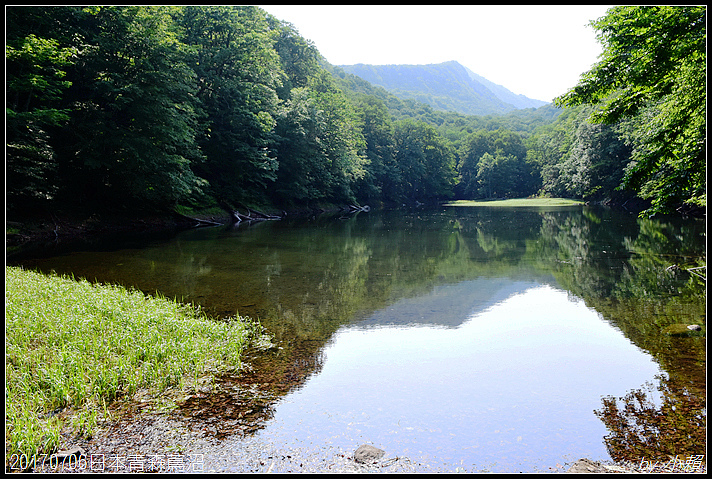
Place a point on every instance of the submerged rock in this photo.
(367, 454)
(680, 329)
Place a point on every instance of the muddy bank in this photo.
(41, 237)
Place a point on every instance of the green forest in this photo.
(153, 108)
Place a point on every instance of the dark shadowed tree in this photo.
(237, 73)
(130, 140)
(37, 56)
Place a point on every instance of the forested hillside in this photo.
(517, 100)
(445, 86)
(126, 108)
(453, 126)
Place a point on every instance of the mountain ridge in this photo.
(447, 86)
(517, 99)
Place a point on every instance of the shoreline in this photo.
(39, 232)
(42, 233)
(167, 442)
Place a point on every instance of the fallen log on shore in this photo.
(252, 215)
(198, 221)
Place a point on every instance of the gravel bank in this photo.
(167, 442)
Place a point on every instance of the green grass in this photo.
(72, 344)
(517, 202)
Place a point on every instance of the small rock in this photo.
(367, 454)
(586, 466)
(680, 330)
(694, 327)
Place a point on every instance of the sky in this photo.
(539, 51)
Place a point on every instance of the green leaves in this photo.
(320, 152)
(425, 162)
(36, 72)
(652, 77)
(236, 74)
(36, 81)
(143, 106)
(494, 165)
(136, 112)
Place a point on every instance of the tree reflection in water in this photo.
(639, 429)
(304, 280)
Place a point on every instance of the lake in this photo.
(477, 338)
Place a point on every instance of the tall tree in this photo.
(321, 144)
(130, 141)
(298, 56)
(237, 74)
(595, 164)
(425, 162)
(382, 176)
(652, 75)
(550, 146)
(506, 153)
(36, 59)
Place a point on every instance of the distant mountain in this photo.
(445, 86)
(519, 101)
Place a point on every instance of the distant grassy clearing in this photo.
(515, 202)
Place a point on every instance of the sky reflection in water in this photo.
(502, 370)
(513, 388)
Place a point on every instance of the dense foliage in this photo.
(130, 107)
(578, 159)
(652, 76)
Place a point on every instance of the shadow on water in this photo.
(309, 282)
(244, 402)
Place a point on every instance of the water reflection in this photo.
(512, 387)
(416, 287)
(448, 305)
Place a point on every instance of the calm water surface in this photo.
(479, 338)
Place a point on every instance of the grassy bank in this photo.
(514, 202)
(72, 344)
